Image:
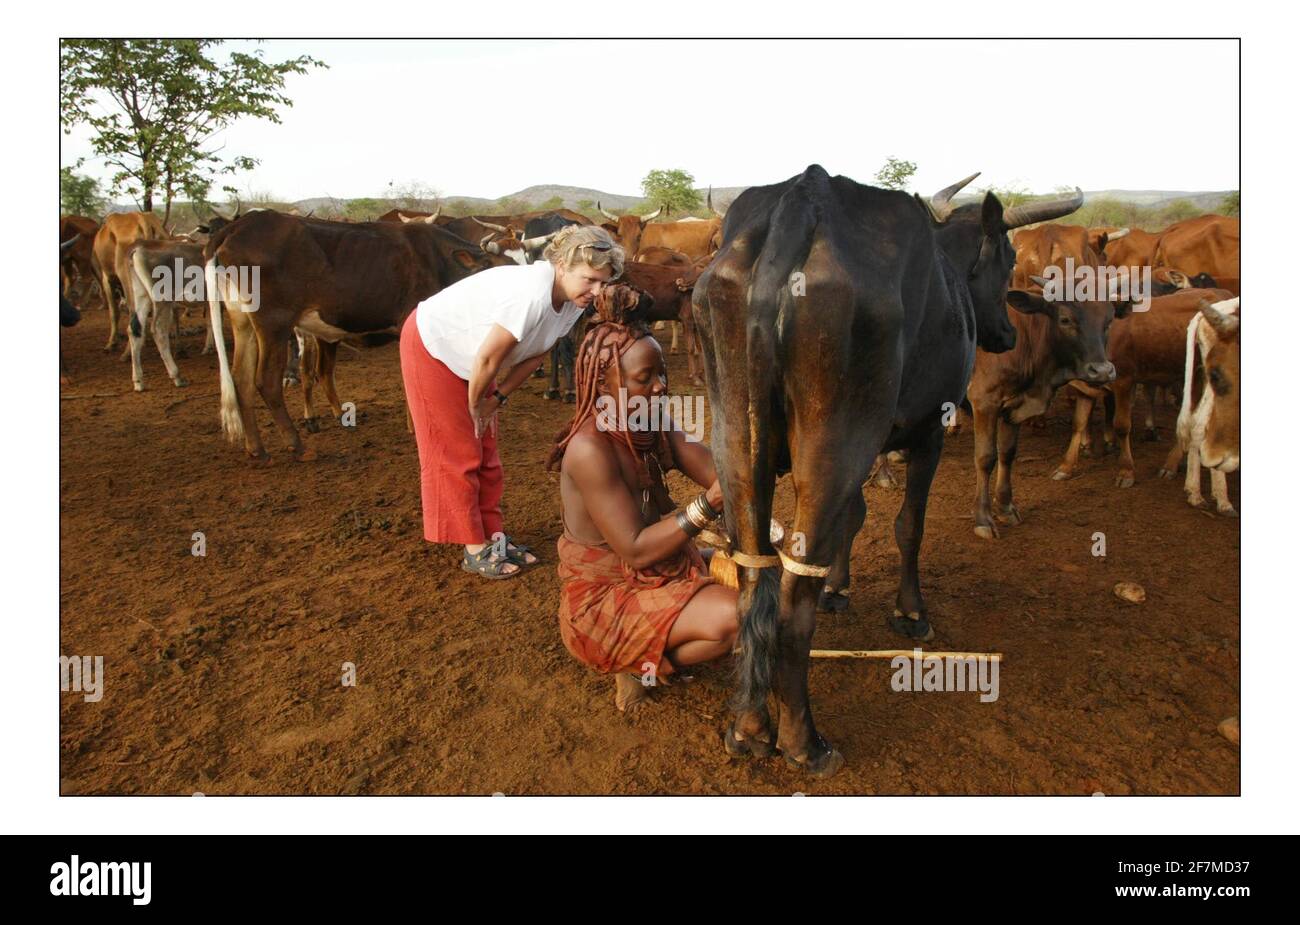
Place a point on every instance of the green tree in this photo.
(1231, 204)
(586, 205)
(79, 195)
(420, 197)
(1178, 210)
(555, 202)
(671, 189)
(365, 210)
(895, 174)
(156, 105)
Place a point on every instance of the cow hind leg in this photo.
(162, 330)
(110, 302)
(328, 359)
(272, 355)
(244, 366)
(834, 597)
(308, 372)
(910, 616)
(138, 320)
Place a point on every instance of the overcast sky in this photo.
(482, 118)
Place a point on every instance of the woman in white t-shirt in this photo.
(453, 346)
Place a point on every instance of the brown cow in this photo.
(1211, 433)
(77, 261)
(1145, 347)
(1056, 341)
(1208, 244)
(670, 288)
(330, 279)
(114, 238)
(1135, 249)
(628, 229)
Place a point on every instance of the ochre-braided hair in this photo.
(620, 325)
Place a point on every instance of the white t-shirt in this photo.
(454, 322)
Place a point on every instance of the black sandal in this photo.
(482, 563)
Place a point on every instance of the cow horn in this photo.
(532, 244)
(940, 203)
(436, 212)
(1031, 212)
(67, 245)
(489, 245)
(709, 200)
(1221, 316)
(404, 219)
(652, 216)
(1116, 235)
(609, 215)
(1039, 281)
(490, 225)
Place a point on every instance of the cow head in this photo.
(627, 228)
(1077, 333)
(974, 238)
(1221, 445)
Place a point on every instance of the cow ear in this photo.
(465, 259)
(991, 216)
(1028, 303)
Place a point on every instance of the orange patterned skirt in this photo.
(617, 619)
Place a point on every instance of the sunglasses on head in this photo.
(598, 246)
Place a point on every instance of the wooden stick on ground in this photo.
(895, 653)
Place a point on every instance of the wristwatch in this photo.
(501, 399)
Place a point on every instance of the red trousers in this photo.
(460, 475)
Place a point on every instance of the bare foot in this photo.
(629, 692)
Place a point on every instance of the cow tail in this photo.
(756, 661)
(231, 420)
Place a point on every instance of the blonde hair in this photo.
(589, 244)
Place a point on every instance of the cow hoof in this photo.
(312, 425)
(1123, 481)
(1166, 473)
(986, 531)
(821, 767)
(570, 398)
(1196, 501)
(551, 395)
(1009, 516)
(833, 601)
(738, 745)
(260, 460)
(138, 386)
(1062, 474)
(181, 382)
(1228, 511)
(913, 626)
(305, 454)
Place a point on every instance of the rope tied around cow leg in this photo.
(802, 568)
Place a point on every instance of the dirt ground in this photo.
(223, 672)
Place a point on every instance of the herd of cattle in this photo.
(834, 324)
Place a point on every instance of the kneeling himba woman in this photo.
(636, 598)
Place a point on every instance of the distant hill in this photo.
(723, 196)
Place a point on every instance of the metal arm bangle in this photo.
(688, 527)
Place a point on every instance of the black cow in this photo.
(838, 321)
